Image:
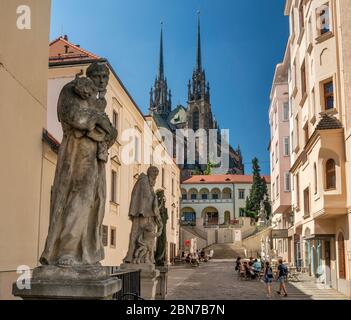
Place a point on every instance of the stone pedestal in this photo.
(161, 292)
(54, 283)
(149, 278)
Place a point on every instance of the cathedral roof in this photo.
(161, 123)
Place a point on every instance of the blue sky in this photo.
(242, 41)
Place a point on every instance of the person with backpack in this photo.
(282, 275)
(268, 278)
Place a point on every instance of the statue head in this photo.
(99, 73)
(152, 174)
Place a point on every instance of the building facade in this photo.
(22, 119)
(197, 115)
(135, 133)
(216, 202)
(279, 148)
(320, 127)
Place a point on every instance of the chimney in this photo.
(65, 37)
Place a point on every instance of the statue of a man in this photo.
(160, 254)
(79, 191)
(143, 211)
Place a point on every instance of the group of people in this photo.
(252, 270)
(196, 257)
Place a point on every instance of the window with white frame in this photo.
(323, 19)
(286, 146)
(287, 182)
(286, 111)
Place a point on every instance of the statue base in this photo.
(161, 292)
(75, 283)
(149, 278)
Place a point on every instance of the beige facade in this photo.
(319, 86)
(279, 117)
(23, 82)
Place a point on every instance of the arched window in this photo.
(196, 120)
(341, 256)
(330, 175)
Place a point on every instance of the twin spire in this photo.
(160, 97)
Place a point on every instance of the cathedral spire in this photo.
(160, 97)
(161, 65)
(198, 48)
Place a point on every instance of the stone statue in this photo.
(160, 255)
(79, 191)
(144, 213)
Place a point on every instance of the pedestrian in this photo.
(211, 254)
(268, 278)
(281, 276)
(238, 264)
(256, 267)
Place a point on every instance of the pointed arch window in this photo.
(196, 120)
(330, 175)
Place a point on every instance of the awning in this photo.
(318, 237)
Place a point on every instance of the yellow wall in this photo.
(23, 82)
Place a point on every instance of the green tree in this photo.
(258, 193)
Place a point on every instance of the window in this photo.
(330, 174)
(113, 186)
(301, 16)
(287, 183)
(113, 238)
(341, 256)
(184, 196)
(328, 89)
(297, 128)
(193, 196)
(196, 120)
(115, 119)
(272, 160)
(298, 190)
(277, 186)
(163, 177)
(204, 196)
(313, 98)
(172, 220)
(286, 146)
(306, 201)
(241, 194)
(286, 111)
(215, 196)
(242, 212)
(323, 19)
(105, 236)
(276, 152)
(303, 79)
(137, 149)
(273, 191)
(276, 118)
(315, 178)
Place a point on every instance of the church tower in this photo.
(160, 97)
(199, 114)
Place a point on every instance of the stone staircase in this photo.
(196, 232)
(226, 251)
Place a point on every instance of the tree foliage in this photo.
(258, 193)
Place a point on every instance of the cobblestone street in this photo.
(217, 280)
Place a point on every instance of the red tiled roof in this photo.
(223, 179)
(61, 50)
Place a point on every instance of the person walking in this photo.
(282, 274)
(268, 278)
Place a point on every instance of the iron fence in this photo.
(130, 284)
